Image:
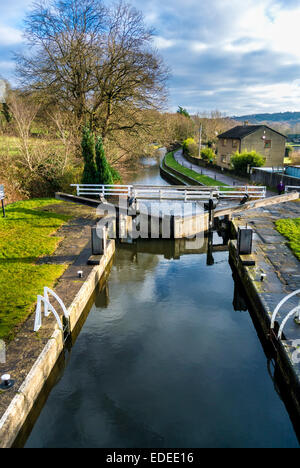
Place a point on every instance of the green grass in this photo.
(171, 162)
(10, 145)
(25, 235)
(290, 228)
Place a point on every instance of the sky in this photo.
(237, 57)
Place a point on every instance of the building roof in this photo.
(241, 131)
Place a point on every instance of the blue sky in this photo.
(237, 57)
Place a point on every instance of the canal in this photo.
(168, 357)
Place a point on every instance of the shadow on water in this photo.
(101, 300)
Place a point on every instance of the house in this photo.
(260, 138)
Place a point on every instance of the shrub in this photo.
(208, 155)
(88, 153)
(242, 161)
(103, 174)
(115, 175)
(190, 147)
(288, 150)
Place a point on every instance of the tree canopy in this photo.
(95, 61)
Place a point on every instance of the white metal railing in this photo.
(48, 308)
(172, 192)
(294, 311)
(291, 188)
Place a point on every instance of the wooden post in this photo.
(2, 196)
(3, 208)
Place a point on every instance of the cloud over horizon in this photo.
(237, 57)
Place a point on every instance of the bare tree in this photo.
(64, 37)
(132, 76)
(98, 63)
(24, 113)
(65, 131)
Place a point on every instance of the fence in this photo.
(291, 188)
(184, 193)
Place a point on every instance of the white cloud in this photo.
(10, 36)
(6, 65)
(197, 46)
(162, 43)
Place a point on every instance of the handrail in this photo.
(62, 305)
(292, 187)
(294, 311)
(167, 192)
(48, 307)
(280, 304)
(38, 313)
(290, 314)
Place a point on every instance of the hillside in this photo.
(290, 118)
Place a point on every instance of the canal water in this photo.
(167, 357)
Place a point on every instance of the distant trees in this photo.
(212, 123)
(175, 128)
(183, 112)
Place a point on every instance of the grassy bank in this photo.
(171, 162)
(290, 228)
(25, 236)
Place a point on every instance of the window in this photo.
(268, 143)
(223, 158)
(235, 143)
(224, 141)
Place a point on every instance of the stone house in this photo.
(260, 138)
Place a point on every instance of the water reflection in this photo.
(165, 360)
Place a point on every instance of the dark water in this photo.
(165, 360)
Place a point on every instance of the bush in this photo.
(88, 153)
(208, 155)
(288, 151)
(242, 161)
(190, 147)
(115, 175)
(103, 175)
